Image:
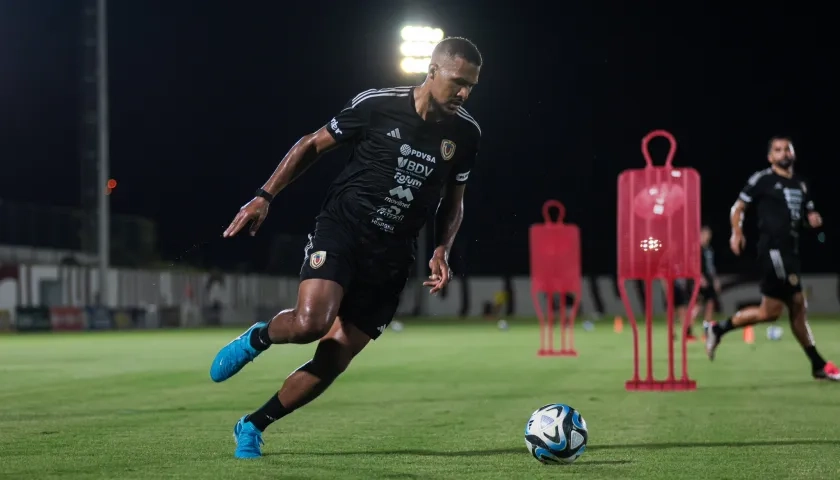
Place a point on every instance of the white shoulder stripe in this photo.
(381, 90)
(375, 95)
(757, 176)
(466, 116)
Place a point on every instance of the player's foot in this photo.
(235, 355)
(248, 439)
(828, 372)
(712, 341)
(690, 338)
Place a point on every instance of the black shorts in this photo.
(780, 274)
(682, 292)
(709, 293)
(373, 274)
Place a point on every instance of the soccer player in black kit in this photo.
(413, 149)
(783, 204)
(709, 283)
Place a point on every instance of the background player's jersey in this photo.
(708, 264)
(782, 205)
(399, 165)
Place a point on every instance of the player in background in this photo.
(783, 205)
(413, 148)
(710, 283)
(682, 296)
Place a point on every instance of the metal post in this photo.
(102, 111)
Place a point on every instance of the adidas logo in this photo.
(394, 133)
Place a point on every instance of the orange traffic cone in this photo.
(618, 324)
(749, 335)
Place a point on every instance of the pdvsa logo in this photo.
(406, 150)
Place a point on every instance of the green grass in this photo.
(436, 401)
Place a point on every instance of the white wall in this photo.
(140, 288)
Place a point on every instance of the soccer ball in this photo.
(556, 433)
(774, 332)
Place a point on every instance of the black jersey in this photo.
(708, 264)
(782, 205)
(399, 165)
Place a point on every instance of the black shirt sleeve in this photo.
(464, 164)
(753, 189)
(351, 123)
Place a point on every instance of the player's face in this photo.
(705, 236)
(781, 154)
(452, 83)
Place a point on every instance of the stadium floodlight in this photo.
(416, 48)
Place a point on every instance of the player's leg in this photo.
(769, 311)
(798, 309)
(317, 305)
(365, 313)
(328, 267)
(776, 291)
(332, 357)
(710, 299)
(681, 300)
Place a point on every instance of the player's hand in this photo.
(815, 220)
(737, 242)
(254, 212)
(439, 265)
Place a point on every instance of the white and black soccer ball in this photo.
(556, 433)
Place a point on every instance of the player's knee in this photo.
(313, 323)
(769, 314)
(798, 308)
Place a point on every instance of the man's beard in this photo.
(785, 164)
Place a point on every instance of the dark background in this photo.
(206, 96)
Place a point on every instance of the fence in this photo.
(32, 296)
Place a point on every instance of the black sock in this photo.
(259, 339)
(269, 413)
(723, 327)
(817, 361)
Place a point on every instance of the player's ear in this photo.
(433, 68)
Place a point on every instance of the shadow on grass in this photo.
(592, 448)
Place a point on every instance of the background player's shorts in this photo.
(373, 275)
(682, 293)
(780, 274)
(709, 293)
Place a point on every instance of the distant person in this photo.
(709, 283)
(413, 149)
(783, 204)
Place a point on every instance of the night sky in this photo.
(208, 95)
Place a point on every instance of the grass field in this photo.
(435, 401)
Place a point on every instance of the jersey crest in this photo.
(447, 149)
(317, 259)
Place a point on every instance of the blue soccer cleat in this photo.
(235, 355)
(248, 439)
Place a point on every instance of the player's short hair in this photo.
(774, 138)
(459, 47)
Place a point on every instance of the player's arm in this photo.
(347, 126)
(344, 127)
(300, 157)
(450, 210)
(450, 213)
(747, 196)
(814, 217)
